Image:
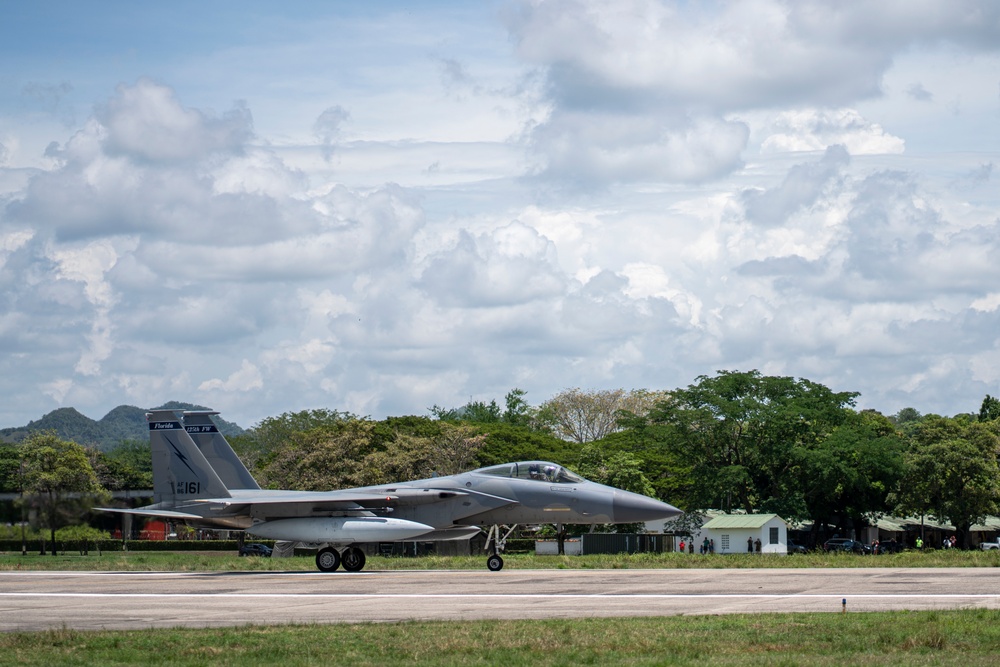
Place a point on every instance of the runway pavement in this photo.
(130, 600)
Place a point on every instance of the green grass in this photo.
(228, 561)
(965, 638)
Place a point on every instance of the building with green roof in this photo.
(740, 533)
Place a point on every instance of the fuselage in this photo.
(529, 492)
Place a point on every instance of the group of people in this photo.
(708, 546)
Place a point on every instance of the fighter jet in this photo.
(188, 488)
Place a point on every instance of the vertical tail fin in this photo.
(180, 471)
(217, 450)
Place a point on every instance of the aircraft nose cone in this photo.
(627, 507)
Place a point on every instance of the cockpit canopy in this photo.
(542, 471)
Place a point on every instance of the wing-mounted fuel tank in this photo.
(340, 529)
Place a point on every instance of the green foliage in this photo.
(258, 447)
(516, 412)
(618, 469)
(990, 409)
(58, 479)
(360, 452)
(128, 466)
(10, 462)
(952, 473)
(743, 438)
(507, 442)
(848, 475)
(670, 474)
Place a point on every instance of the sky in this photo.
(383, 207)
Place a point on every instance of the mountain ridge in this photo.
(125, 422)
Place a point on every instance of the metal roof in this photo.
(741, 521)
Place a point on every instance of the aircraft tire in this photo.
(327, 559)
(353, 559)
(494, 563)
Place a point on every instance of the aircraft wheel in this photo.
(353, 559)
(327, 559)
(494, 563)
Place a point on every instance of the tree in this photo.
(361, 452)
(517, 411)
(126, 467)
(990, 409)
(952, 473)
(58, 479)
(273, 434)
(846, 477)
(586, 416)
(738, 432)
(618, 469)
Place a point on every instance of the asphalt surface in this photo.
(135, 600)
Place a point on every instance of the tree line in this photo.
(735, 441)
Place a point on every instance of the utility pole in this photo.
(20, 479)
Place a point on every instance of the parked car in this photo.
(845, 544)
(889, 547)
(796, 548)
(255, 550)
(987, 546)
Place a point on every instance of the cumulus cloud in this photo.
(145, 122)
(511, 265)
(625, 194)
(327, 127)
(247, 378)
(815, 129)
(600, 149)
(801, 188)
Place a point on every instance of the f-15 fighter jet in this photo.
(188, 488)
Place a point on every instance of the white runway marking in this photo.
(527, 596)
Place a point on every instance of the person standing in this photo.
(750, 545)
(756, 545)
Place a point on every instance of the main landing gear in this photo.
(352, 558)
(498, 542)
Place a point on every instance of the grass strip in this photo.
(215, 561)
(969, 637)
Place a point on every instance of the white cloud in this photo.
(145, 122)
(620, 194)
(247, 378)
(818, 129)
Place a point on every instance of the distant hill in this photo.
(126, 422)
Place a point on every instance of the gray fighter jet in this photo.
(188, 488)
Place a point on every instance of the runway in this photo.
(135, 600)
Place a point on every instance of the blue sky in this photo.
(379, 207)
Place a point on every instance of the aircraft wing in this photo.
(166, 514)
(354, 500)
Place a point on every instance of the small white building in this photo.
(735, 533)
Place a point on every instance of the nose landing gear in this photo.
(498, 542)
